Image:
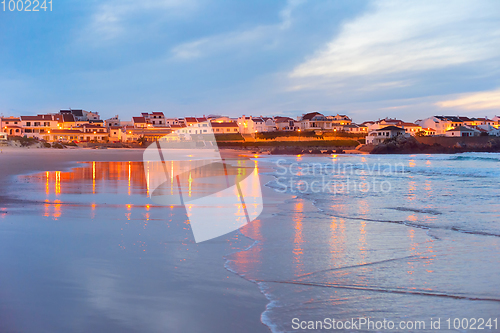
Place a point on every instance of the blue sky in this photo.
(405, 59)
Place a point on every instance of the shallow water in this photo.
(426, 246)
(88, 251)
(85, 250)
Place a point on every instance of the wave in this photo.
(476, 158)
(416, 210)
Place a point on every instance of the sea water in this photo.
(409, 239)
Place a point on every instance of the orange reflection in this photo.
(111, 172)
(298, 239)
(93, 177)
(58, 182)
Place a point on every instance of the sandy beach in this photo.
(95, 273)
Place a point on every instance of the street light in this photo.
(299, 134)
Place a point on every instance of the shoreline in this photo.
(24, 161)
(287, 150)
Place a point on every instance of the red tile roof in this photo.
(309, 116)
(139, 120)
(38, 117)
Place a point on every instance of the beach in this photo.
(387, 238)
(83, 253)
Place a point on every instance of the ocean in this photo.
(401, 238)
(359, 240)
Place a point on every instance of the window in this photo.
(28, 123)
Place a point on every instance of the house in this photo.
(3, 136)
(115, 133)
(139, 122)
(285, 124)
(225, 128)
(81, 115)
(156, 118)
(11, 126)
(65, 121)
(411, 128)
(190, 121)
(354, 128)
(193, 127)
(249, 124)
(340, 119)
(381, 123)
(380, 135)
(4, 121)
(113, 122)
(487, 129)
(462, 131)
(172, 121)
(315, 121)
(65, 135)
(428, 131)
(38, 126)
(441, 124)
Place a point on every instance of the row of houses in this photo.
(81, 125)
(449, 126)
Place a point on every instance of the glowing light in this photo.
(58, 182)
(129, 176)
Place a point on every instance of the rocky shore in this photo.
(410, 145)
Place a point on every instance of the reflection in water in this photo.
(93, 253)
(298, 238)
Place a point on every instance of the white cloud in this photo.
(485, 100)
(109, 20)
(400, 36)
(237, 39)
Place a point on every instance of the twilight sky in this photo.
(368, 59)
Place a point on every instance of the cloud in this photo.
(236, 39)
(112, 18)
(485, 100)
(403, 36)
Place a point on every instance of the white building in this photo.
(462, 131)
(380, 135)
(114, 121)
(285, 124)
(340, 119)
(489, 129)
(249, 124)
(441, 123)
(315, 121)
(156, 118)
(3, 136)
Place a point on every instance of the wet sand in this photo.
(81, 266)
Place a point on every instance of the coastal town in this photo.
(80, 126)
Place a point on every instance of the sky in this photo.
(366, 59)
